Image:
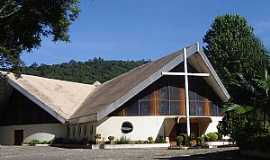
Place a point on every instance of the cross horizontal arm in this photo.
(183, 73)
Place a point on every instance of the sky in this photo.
(145, 29)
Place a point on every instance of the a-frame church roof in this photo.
(78, 103)
(59, 98)
(114, 93)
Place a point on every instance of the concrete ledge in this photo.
(255, 153)
(131, 146)
(42, 145)
(216, 144)
(72, 146)
(179, 148)
(38, 145)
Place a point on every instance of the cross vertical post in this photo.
(186, 91)
(186, 74)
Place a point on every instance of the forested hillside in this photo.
(90, 71)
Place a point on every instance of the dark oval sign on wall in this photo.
(126, 127)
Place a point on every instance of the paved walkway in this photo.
(51, 153)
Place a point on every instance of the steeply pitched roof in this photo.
(79, 103)
(114, 93)
(59, 98)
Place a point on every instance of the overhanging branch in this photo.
(9, 8)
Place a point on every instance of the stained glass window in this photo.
(164, 93)
(215, 110)
(192, 108)
(174, 93)
(144, 107)
(133, 109)
(164, 107)
(174, 107)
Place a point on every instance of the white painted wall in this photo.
(42, 132)
(212, 127)
(143, 127)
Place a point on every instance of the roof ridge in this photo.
(52, 79)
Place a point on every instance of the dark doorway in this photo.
(18, 137)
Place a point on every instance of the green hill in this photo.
(90, 71)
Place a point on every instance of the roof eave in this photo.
(37, 101)
(83, 119)
(226, 96)
(113, 106)
(223, 93)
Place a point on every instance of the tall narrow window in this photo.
(144, 105)
(192, 103)
(85, 130)
(174, 100)
(74, 131)
(196, 103)
(164, 101)
(79, 131)
(199, 108)
(214, 110)
(192, 109)
(133, 109)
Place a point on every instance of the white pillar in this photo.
(186, 91)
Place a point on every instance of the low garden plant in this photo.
(160, 139)
(201, 140)
(150, 140)
(180, 140)
(123, 140)
(35, 142)
(212, 136)
(111, 139)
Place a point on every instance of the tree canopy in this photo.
(90, 71)
(24, 23)
(241, 61)
(236, 53)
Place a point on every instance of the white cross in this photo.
(186, 74)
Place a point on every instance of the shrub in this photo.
(180, 140)
(57, 141)
(111, 138)
(139, 142)
(187, 139)
(45, 142)
(150, 139)
(219, 136)
(34, 142)
(123, 140)
(201, 140)
(83, 141)
(262, 143)
(212, 136)
(160, 139)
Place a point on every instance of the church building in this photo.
(178, 93)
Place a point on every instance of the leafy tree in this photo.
(8, 8)
(243, 64)
(23, 23)
(83, 72)
(237, 55)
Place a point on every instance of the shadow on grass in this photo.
(223, 155)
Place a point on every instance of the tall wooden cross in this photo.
(186, 74)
